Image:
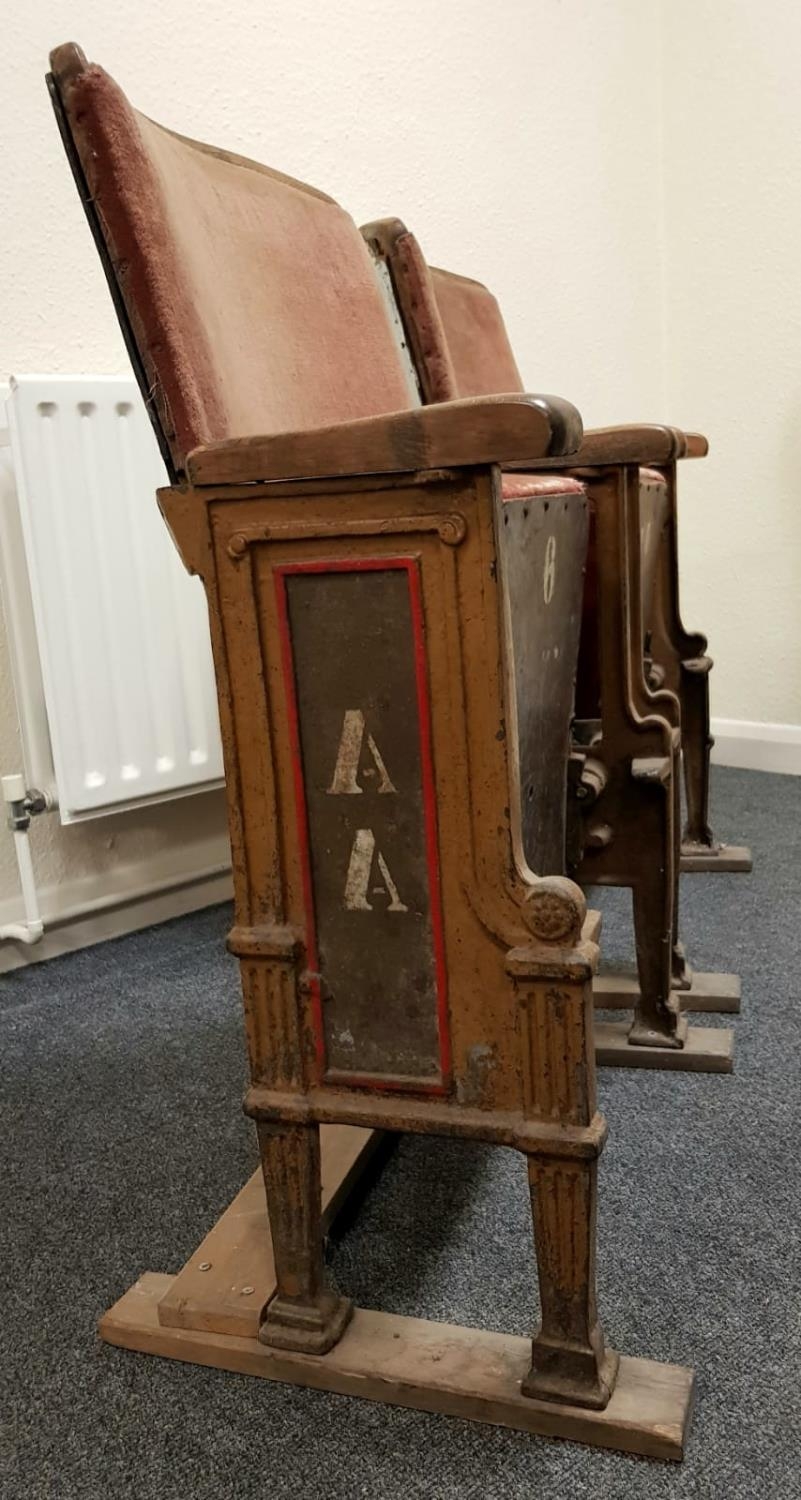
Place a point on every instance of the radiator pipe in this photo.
(22, 805)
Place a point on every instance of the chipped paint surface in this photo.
(481, 1060)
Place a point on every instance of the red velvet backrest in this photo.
(453, 325)
(478, 343)
(250, 298)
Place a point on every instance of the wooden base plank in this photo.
(727, 859)
(225, 1286)
(591, 930)
(712, 994)
(706, 1050)
(436, 1367)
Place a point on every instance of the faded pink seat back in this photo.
(250, 298)
(454, 326)
(478, 344)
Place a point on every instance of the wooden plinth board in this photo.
(706, 1049)
(226, 1285)
(726, 859)
(710, 994)
(436, 1367)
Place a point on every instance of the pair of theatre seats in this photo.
(251, 306)
(396, 598)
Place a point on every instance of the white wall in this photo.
(732, 159)
(497, 128)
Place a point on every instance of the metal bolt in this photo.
(205, 1265)
(246, 1291)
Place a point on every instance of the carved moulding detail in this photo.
(554, 910)
(451, 528)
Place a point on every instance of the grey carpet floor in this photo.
(122, 1141)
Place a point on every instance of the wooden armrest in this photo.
(697, 445)
(642, 443)
(452, 434)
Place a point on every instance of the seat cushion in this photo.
(539, 486)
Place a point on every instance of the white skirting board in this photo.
(79, 913)
(757, 747)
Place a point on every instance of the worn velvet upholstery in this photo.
(544, 486)
(251, 297)
(414, 289)
(478, 344)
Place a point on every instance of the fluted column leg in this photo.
(697, 744)
(570, 1362)
(658, 1021)
(303, 1315)
(553, 979)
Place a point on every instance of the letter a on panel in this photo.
(359, 871)
(345, 781)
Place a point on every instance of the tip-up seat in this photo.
(627, 751)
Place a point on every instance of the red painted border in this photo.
(371, 565)
(287, 665)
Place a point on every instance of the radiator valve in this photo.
(22, 804)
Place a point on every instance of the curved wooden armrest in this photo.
(451, 434)
(697, 445)
(641, 443)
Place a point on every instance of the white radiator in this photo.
(116, 692)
